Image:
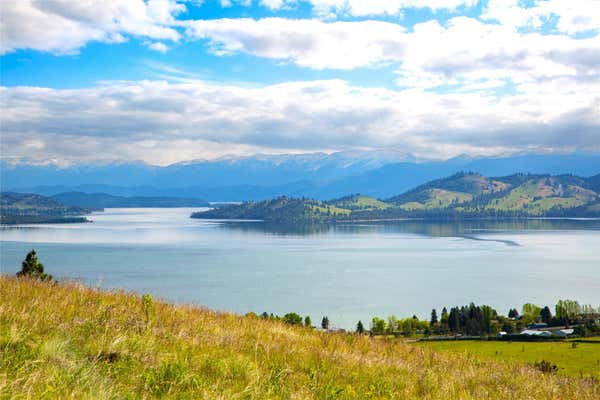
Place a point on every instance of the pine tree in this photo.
(434, 318)
(359, 327)
(444, 320)
(454, 320)
(325, 323)
(546, 315)
(31, 267)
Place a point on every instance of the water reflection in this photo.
(462, 229)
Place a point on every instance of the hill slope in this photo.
(282, 209)
(440, 193)
(66, 341)
(33, 208)
(462, 195)
(359, 202)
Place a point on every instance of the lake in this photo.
(347, 272)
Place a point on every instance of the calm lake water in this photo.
(348, 272)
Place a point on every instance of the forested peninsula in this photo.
(461, 196)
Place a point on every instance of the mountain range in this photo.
(379, 174)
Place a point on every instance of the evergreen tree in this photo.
(307, 321)
(454, 320)
(444, 319)
(31, 267)
(546, 315)
(434, 318)
(513, 313)
(359, 327)
(325, 323)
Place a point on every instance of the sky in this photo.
(165, 81)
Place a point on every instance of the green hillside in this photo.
(441, 193)
(18, 208)
(359, 202)
(541, 194)
(281, 209)
(66, 341)
(463, 195)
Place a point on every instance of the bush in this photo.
(546, 367)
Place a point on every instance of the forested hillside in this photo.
(32, 208)
(462, 195)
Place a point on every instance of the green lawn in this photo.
(584, 359)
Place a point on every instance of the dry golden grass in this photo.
(69, 341)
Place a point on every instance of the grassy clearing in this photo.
(68, 341)
(362, 203)
(327, 208)
(580, 359)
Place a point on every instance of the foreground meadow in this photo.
(69, 341)
(571, 358)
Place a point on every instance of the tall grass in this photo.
(69, 341)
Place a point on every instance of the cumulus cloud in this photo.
(465, 51)
(462, 52)
(515, 78)
(200, 119)
(158, 46)
(361, 8)
(64, 26)
(571, 17)
(308, 43)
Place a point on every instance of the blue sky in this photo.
(134, 60)
(165, 81)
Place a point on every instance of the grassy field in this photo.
(68, 341)
(437, 198)
(580, 359)
(360, 202)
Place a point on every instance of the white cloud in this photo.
(308, 43)
(158, 46)
(362, 8)
(64, 26)
(462, 52)
(194, 120)
(467, 51)
(477, 85)
(569, 16)
(275, 4)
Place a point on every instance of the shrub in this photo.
(546, 367)
(147, 305)
(31, 267)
